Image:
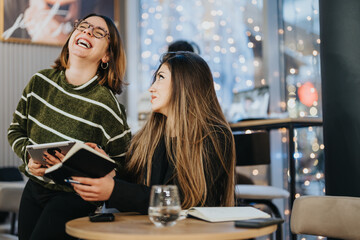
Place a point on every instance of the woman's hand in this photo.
(96, 147)
(95, 189)
(36, 168)
(52, 160)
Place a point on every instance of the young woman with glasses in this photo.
(75, 100)
(186, 141)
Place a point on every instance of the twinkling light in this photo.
(291, 103)
(232, 49)
(145, 16)
(146, 54)
(241, 59)
(222, 23)
(316, 162)
(230, 40)
(315, 147)
(313, 111)
(179, 27)
(216, 60)
(150, 31)
(287, 212)
(255, 172)
(147, 41)
(249, 83)
(179, 8)
(250, 45)
(217, 48)
(206, 25)
(216, 37)
(169, 39)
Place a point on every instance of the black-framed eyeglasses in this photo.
(97, 32)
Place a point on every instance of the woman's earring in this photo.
(104, 65)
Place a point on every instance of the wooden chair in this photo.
(327, 216)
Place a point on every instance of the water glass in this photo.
(164, 208)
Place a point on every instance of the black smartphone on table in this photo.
(258, 222)
(101, 217)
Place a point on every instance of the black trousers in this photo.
(44, 212)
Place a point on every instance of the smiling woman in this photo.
(73, 101)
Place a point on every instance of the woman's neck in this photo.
(80, 72)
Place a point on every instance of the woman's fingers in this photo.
(96, 147)
(36, 168)
(59, 155)
(50, 159)
(96, 189)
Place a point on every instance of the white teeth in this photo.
(84, 43)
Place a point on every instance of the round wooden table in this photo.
(130, 227)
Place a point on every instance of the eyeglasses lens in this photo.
(96, 31)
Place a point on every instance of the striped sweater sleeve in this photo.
(117, 145)
(17, 133)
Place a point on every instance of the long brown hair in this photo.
(113, 76)
(198, 119)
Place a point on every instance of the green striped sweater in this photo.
(52, 110)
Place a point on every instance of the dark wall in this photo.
(340, 69)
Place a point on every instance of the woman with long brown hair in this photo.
(186, 142)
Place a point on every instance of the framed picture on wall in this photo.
(48, 21)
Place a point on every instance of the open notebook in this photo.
(223, 214)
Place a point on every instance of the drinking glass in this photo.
(164, 208)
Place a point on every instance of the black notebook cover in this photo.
(81, 162)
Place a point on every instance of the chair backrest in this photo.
(328, 216)
(252, 148)
(10, 174)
